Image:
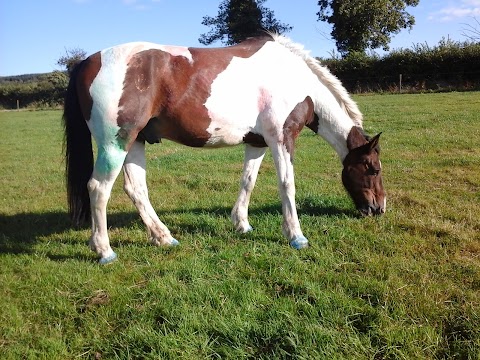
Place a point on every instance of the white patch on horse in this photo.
(256, 94)
(336, 111)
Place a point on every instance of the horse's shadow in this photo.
(19, 233)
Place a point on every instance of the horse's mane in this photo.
(325, 77)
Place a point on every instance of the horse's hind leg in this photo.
(135, 186)
(107, 167)
(253, 160)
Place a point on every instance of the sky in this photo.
(34, 34)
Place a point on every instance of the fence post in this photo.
(18, 105)
(400, 87)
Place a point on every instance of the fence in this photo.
(411, 83)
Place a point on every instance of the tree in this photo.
(71, 57)
(240, 19)
(362, 24)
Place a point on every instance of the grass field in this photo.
(403, 286)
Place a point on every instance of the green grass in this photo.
(403, 286)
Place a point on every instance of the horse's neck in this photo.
(334, 124)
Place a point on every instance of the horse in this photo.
(261, 93)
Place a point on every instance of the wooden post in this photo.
(18, 105)
(400, 87)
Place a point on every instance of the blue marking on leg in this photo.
(299, 242)
(108, 259)
(109, 159)
(249, 229)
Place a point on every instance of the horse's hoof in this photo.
(108, 259)
(247, 230)
(299, 242)
(174, 242)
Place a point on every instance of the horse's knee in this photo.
(92, 185)
(99, 193)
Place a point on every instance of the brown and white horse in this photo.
(261, 93)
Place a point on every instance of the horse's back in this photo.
(198, 97)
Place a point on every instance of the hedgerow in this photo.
(450, 65)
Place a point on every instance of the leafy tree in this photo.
(71, 57)
(362, 24)
(239, 19)
(58, 79)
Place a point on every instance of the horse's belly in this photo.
(224, 133)
(231, 117)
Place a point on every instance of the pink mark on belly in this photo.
(264, 99)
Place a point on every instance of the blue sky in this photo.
(35, 33)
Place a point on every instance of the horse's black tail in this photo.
(78, 153)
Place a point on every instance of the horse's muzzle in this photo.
(372, 210)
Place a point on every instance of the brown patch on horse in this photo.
(302, 114)
(361, 173)
(88, 71)
(158, 88)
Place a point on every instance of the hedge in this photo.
(448, 66)
(35, 91)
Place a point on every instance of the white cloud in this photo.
(462, 9)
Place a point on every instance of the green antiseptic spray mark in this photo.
(109, 158)
(111, 147)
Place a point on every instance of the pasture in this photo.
(403, 286)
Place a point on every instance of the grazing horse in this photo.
(261, 93)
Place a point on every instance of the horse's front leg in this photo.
(291, 224)
(253, 160)
(136, 188)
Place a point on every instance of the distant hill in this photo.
(23, 78)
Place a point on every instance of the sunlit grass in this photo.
(406, 285)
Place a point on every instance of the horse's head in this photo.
(362, 173)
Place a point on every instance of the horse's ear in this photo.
(355, 139)
(373, 143)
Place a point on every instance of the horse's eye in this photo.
(372, 170)
(375, 171)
